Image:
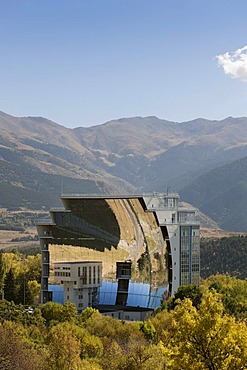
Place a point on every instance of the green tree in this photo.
(113, 357)
(55, 313)
(193, 292)
(63, 349)
(9, 311)
(90, 364)
(23, 292)
(90, 346)
(33, 268)
(9, 286)
(86, 314)
(233, 292)
(52, 313)
(15, 351)
(148, 330)
(69, 312)
(143, 355)
(34, 288)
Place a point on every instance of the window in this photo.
(84, 275)
(67, 289)
(171, 202)
(94, 274)
(79, 271)
(98, 274)
(90, 275)
(68, 297)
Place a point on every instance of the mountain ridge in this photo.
(128, 155)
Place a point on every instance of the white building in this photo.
(80, 280)
(181, 232)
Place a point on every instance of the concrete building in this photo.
(181, 232)
(81, 281)
(153, 231)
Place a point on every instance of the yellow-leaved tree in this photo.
(204, 338)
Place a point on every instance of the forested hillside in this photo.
(227, 255)
(222, 194)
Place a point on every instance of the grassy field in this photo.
(9, 239)
(217, 233)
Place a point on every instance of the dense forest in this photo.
(199, 328)
(227, 255)
(204, 331)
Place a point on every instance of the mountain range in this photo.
(204, 160)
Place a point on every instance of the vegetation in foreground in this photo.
(204, 331)
(198, 328)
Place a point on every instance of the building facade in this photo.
(81, 281)
(153, 231)
(181, 232)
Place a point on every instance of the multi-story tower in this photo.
(45, 231)
(181, 232)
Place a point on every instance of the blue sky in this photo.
(82, 63)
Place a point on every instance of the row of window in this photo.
(64, 274)
(80, 296)
(87, 276)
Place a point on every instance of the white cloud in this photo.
(234, 63)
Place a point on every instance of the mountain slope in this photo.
(226, 255)
(152, 153)
(40, 158)
(222, 195)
